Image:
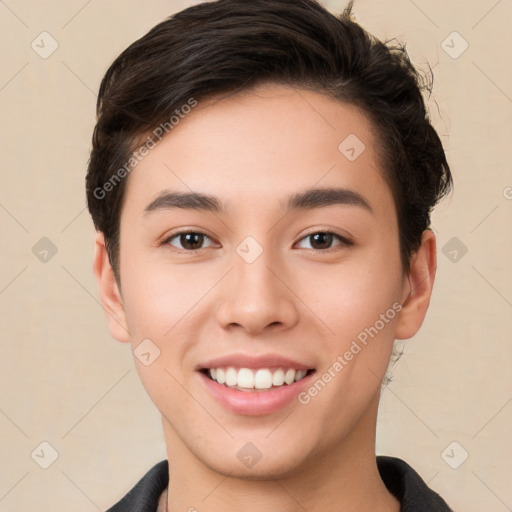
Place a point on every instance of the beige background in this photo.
(66, 382)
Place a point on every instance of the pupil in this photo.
(322, 239)
(191, 240)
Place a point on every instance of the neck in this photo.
(344, 478)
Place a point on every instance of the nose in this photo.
(256, 297)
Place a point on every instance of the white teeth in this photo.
(289, 376)
(221, 376)
(278, 378)
(245, 378)
(262, 378)
(231, 377)
(300, 374)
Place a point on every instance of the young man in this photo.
(261, 181)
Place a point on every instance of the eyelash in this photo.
(343, 241)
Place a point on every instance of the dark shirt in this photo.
(400, 479)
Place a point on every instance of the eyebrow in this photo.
(306, 200)
(320, 197)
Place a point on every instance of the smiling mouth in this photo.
(262, 379)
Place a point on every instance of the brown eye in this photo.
(323, 240)
(188, 241)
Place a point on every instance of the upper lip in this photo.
(253, 362)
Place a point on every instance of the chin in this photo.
(261, 471)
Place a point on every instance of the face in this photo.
(253, 278)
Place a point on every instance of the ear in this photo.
(109, 292)
(418, 287)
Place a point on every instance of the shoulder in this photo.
(408, 487)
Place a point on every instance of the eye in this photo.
(323, 240)
(189, 240)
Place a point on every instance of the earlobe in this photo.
(418, 287)
(109, 292)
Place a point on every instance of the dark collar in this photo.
(408, 487)
(401, 480)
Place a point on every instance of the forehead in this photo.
(256, 147)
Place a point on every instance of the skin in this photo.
(253, 151)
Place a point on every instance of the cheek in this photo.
(360, 307)
(159, 306)
(351, 297)
(158, 297)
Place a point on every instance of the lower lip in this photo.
(255, 403)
